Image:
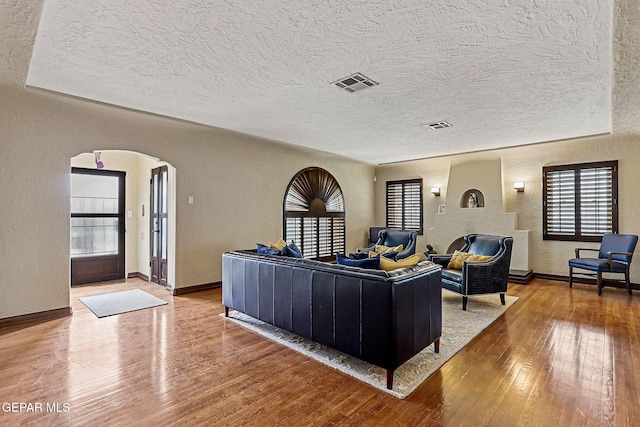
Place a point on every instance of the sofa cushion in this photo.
(420, 266)
(369, 263)
(597, 264)
(452, 275)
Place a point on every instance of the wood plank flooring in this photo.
(558, 357)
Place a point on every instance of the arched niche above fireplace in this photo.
(472, 193)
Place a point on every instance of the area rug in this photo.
(120, 302)
(458, 329)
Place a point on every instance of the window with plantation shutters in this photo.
(580, 202)
(314, 215)
(404, 205)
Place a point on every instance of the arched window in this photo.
(314, 214)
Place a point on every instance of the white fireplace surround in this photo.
(457, 219)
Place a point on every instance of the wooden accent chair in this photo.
(614, 256)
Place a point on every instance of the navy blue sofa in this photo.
(383, 318)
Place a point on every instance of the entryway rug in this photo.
(120, 302)
(458, 329)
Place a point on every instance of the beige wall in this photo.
(237, 181)
(525, 164)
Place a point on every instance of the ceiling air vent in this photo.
(437, 125)
(354, 82)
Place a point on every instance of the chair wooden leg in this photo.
(599, 280)
(502, 299)
(570, 277)
(626, 276)
(389, 379)
(464, 303)
(436, 345)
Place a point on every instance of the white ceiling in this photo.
(502, 73)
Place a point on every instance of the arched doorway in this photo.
(138, 215)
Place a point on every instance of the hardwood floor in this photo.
(558, 357)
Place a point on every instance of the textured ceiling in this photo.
(502, 73)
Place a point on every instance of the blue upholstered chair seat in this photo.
(597, 264)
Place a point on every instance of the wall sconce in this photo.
(519, 187)
(435, 191)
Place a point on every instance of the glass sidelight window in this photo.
(95, 214)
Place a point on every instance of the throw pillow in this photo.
(371, 263)
(359, 255)
(380, 249)
(292, 250)
(262, 249)
(279, 245)
(389, 264)
(457, 259)
(390, 255)
(475, 258)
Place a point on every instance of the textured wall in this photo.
(626, 51)
(238, 183)
(524, 164)
(485, 176)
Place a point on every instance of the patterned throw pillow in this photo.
(476, 258)
(381, 249)
(459, 257)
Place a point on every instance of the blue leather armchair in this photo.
(479, 277)
(393, 238)
(614, 256)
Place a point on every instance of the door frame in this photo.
(102, 268)
(155, 236)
